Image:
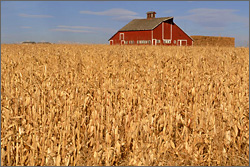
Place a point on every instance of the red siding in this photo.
(157, 34)
(167, 32)
(171, 32)
(131, 36)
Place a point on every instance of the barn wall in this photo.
(165, 34)
(132, 36)
(137, 35)
(157, 34)
(167, 30)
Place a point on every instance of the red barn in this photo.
(151, 31)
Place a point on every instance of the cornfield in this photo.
(124, 105)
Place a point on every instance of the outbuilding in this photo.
(151, 31)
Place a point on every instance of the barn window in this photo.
(121, 36)
(158, 41)
(166, 41)
(174, 41)
(149, 41)
(131, 42)
(126, 42)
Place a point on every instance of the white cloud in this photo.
(116, 14)
(126, 18)
(83, 29)
(76, 27)
(168, 11)
(213, 17)
(111, 12)
(26, 27)
(34, 16)
(70, 30)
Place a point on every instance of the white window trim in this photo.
(152, 36)
(181, 42)
(122, 42)
(121, 36)
(112, 42)
(162, 30)
(167, 41)
(170, 33)
(153, 41)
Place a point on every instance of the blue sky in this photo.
(97, 21)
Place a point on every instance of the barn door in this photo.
(178, 42)
(181, 42)
(154, 42)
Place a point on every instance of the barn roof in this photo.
(144, 24)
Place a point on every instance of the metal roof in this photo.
(144, 24)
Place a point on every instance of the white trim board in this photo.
(121, 35)
(181, 42)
